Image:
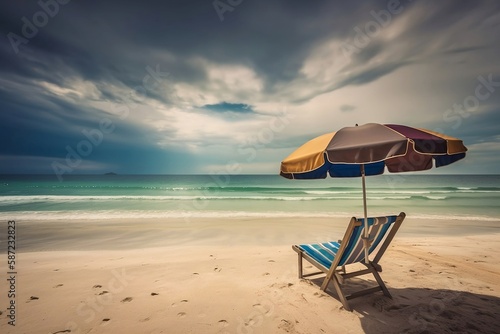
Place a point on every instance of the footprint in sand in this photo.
(126, 300)
(262, 309)
(286, 325)
(223, 323)
(266, 274)
(182, 301)
(154, 293)
(58, 285)
(396, 307)
(281, 286)
(181, 314)
(103, 293)
(320, 295)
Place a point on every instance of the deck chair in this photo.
(333, 257)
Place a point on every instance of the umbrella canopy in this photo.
(368, 150)
(399, 148)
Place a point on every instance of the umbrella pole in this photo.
(366, 237)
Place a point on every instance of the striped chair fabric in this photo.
(324, 253)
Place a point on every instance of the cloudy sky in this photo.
(235, 85)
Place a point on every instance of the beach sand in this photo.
(240, 276)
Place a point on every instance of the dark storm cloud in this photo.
(229, 107)
(104, 51)
(99, 40)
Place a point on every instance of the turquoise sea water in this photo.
(43, 197)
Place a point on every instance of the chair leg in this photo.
(301, 273)
(326, 281)
(381, 283)
(336, 285)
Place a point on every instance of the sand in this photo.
(240, 276)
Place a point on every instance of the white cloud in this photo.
(229, 83)
(76, 88)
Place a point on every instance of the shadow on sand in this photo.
(421, 310)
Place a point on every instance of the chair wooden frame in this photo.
(337, 276)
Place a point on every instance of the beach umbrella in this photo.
(369, 149)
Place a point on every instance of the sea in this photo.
(104, 197)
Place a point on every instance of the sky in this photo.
(234, 86)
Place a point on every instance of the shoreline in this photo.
(93, 234)
(75, 215)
